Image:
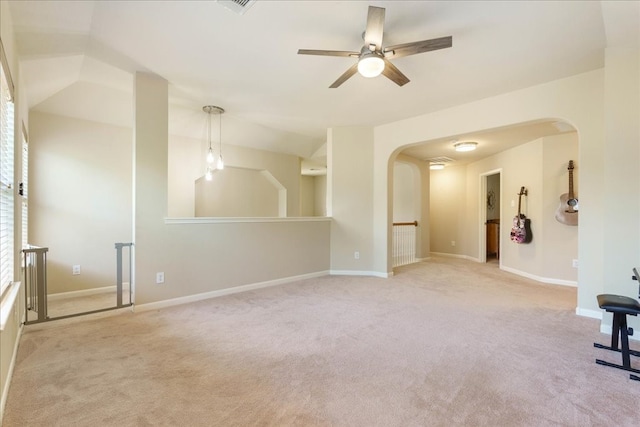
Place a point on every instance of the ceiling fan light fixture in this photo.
(465, 146)
(370, 65)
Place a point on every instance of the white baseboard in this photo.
(459, 256)
(85, 292)
(540, 279)
(223, 292)
(593, 314)
(360, 273)
(12, 364)
(548, 280)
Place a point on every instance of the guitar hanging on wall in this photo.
(521, 231)
(567, 212)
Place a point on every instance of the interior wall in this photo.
(350, 150)
(320, 195)
(447, 208)
(307, 195)
(560, 241)
(187, 164)
(237, 192)
(198, 256)
(577, 100)
(515, 175)
(549, 256)
(80, 198)
(621, 224)
(405, 204)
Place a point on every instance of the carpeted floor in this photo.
(443, 342)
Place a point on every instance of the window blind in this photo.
(6, 183)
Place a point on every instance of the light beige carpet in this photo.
(444, 342)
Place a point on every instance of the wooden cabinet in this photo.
(493, 238)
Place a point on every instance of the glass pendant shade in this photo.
(211, 158)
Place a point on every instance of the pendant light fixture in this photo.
(219, 164)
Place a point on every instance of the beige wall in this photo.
(239, 192)
(447, 213)
(187, 165)
(550, 254)
(578, 100)
(560, 241)
(81, 192)
(80, 198)
(320, 195)
(350, 188)
(405, 203)
(307, 195)
(203, 256)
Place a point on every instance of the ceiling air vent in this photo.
(237, 6)
(442, 159)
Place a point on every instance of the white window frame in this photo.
(24, 189)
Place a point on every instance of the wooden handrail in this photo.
(414, 223)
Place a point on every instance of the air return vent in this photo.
(442, 159)
(237, 6)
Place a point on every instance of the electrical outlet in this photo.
(160, 277)
(75, 270)
(356, 255)
(574, 263)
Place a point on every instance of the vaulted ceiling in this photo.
(78, 59)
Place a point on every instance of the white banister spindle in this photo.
(404, 243)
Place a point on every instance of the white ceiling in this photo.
(78, 58)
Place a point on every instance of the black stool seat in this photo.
(620, 306)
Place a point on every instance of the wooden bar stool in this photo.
(621, 307)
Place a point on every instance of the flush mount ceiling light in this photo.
(212, 109)
(465, 146)
(436, 166)
(370, 64)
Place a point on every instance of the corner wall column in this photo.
(150, 160)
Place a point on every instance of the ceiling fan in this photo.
(373, 58)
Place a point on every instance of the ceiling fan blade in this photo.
(406, 49)
(344, 77)
(391, 71)
(375, 27)
(328, 52)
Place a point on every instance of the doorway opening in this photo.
(490, 215)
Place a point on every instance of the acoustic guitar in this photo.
(521, 230)
(567, 212)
